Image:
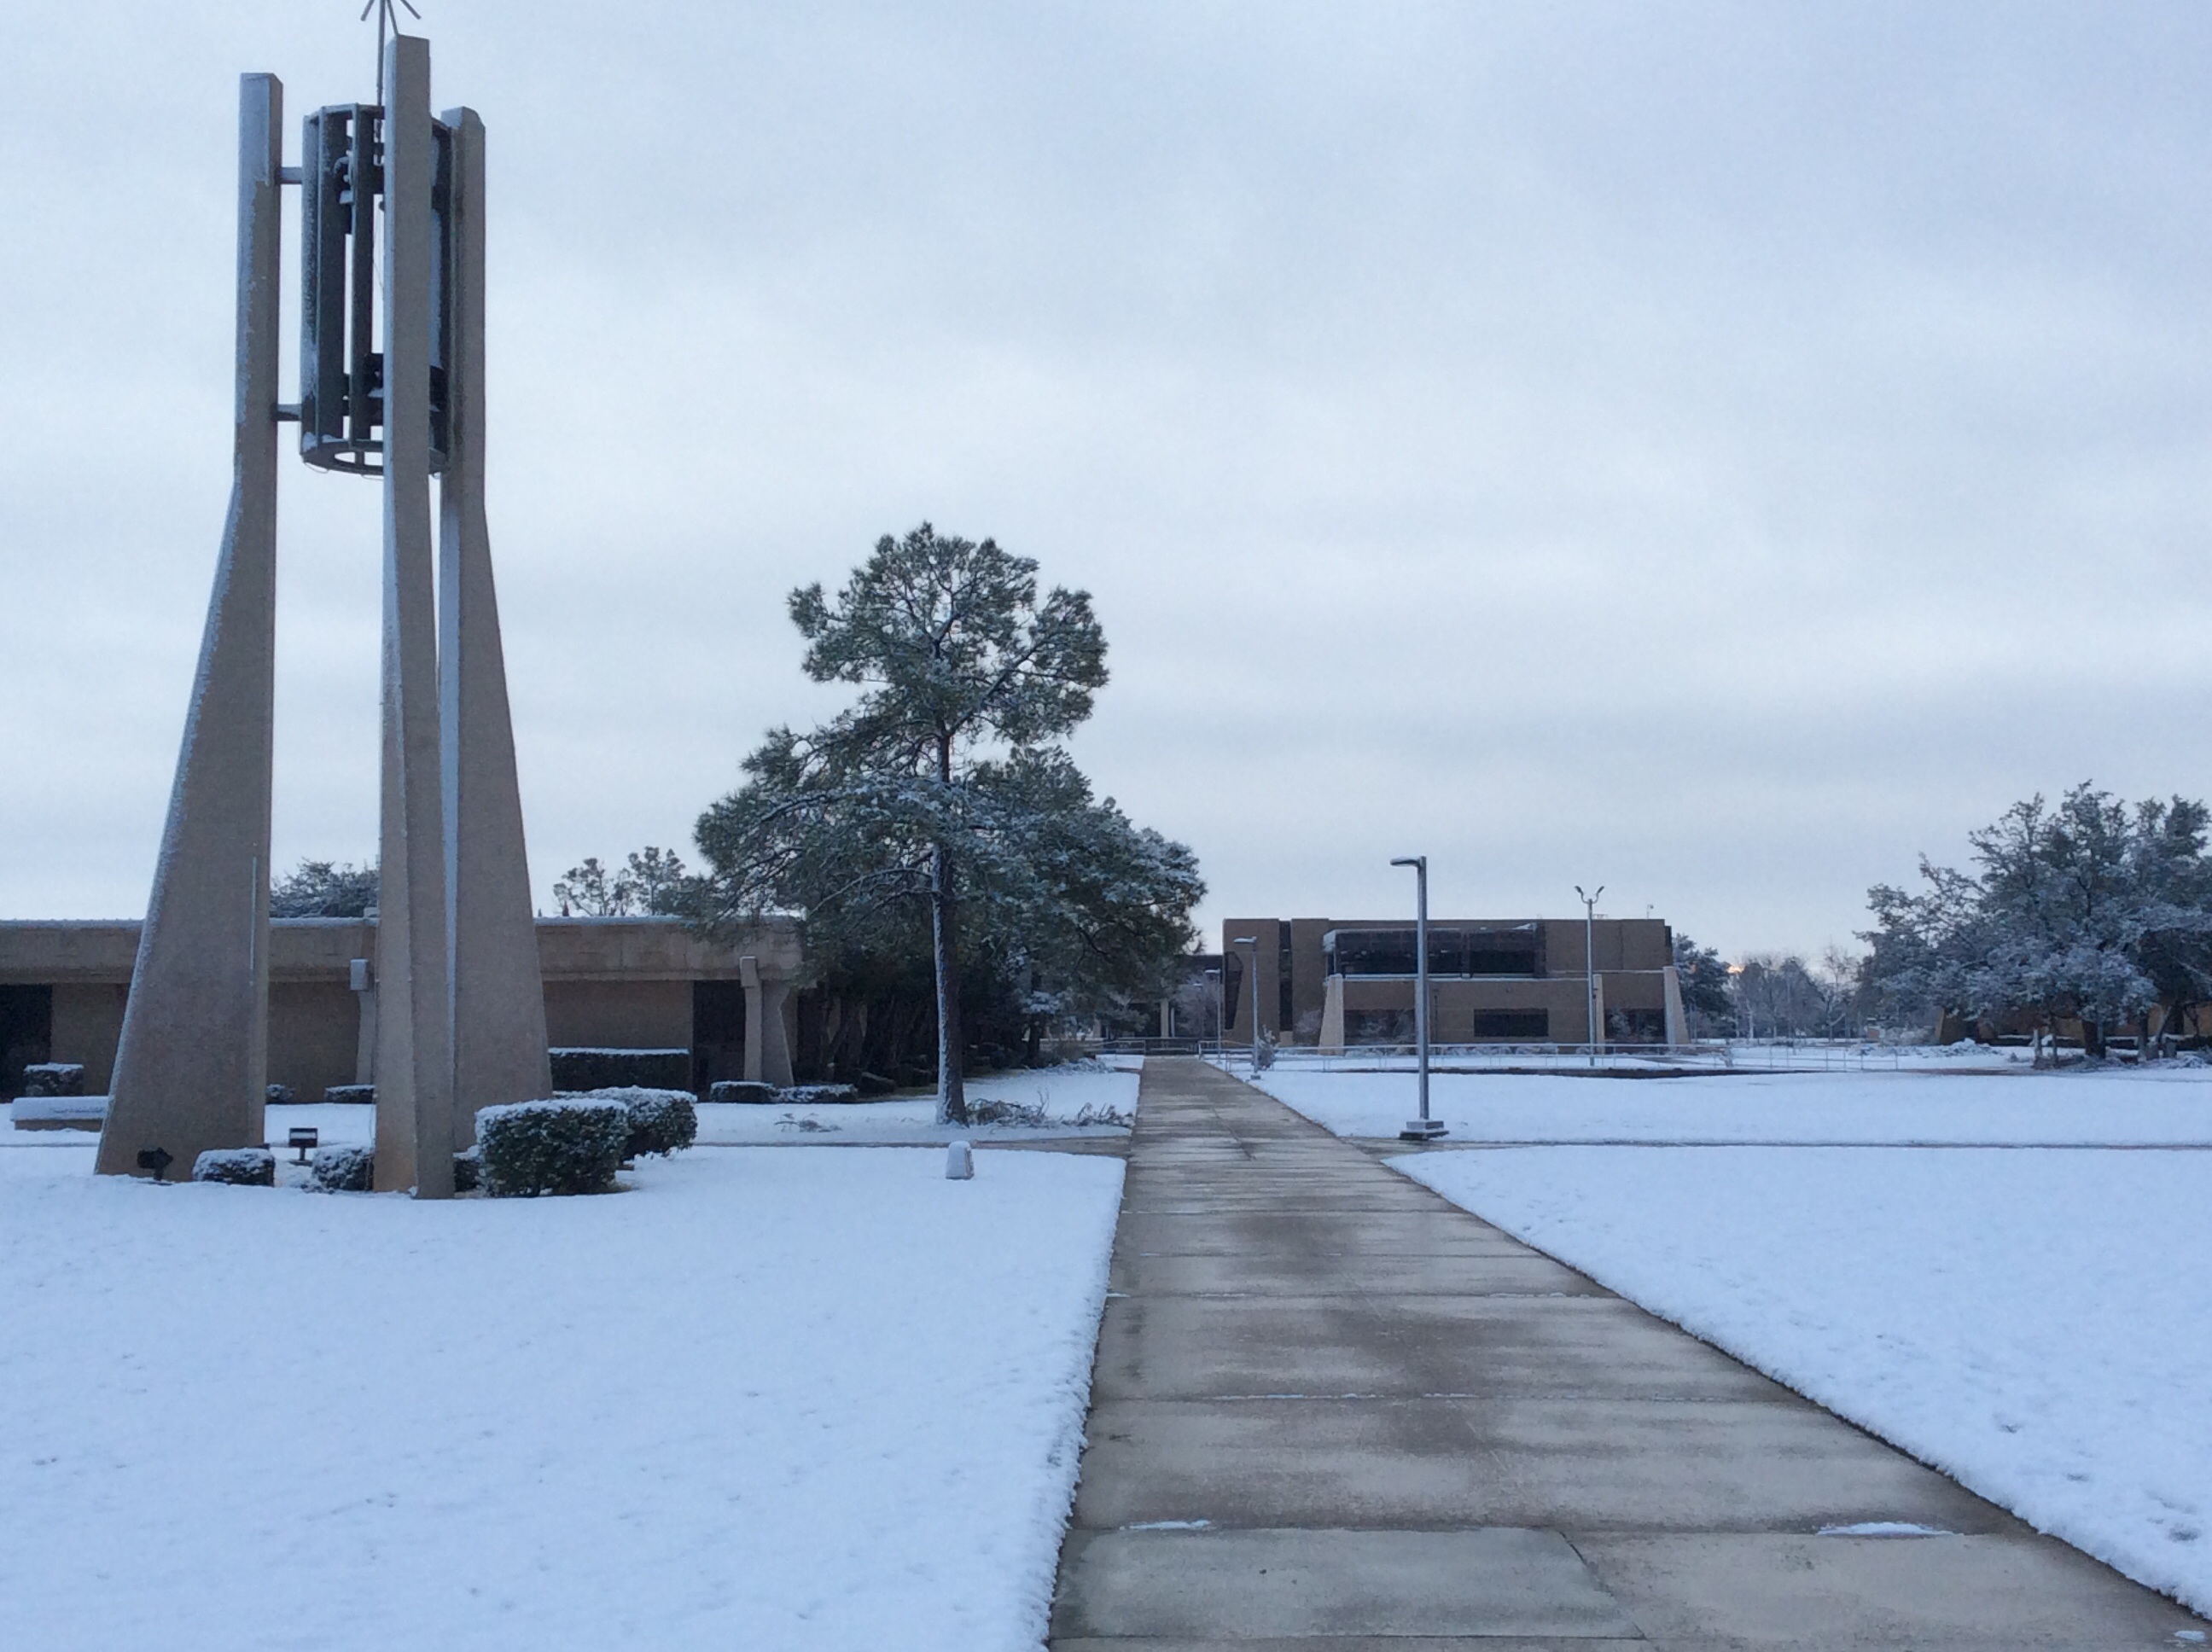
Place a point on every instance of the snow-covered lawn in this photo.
(2035, 1320)
(2155, 1106)
(766, 1398)
(1063, 1092)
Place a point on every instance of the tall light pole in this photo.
(1252, 969)
(1423, 1128)
(1589, 966)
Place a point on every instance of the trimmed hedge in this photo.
(54, 1078)
(661, 1120)
(363, 1094)
(573, 1144)
(818, 1094)
(238, 1167)
(280, 1095)
(737, 1090)
(351, 1169)
(582, 1071)
(468, 1170)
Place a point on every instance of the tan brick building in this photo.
(1332, 982)
(622, 983)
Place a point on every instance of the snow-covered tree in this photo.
(320, 888)
(654, 881)
(1705, 979)
(590, 890)
(941, 790)
(2094, 910)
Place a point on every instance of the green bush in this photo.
(571, 1146)
(240, 1167)
(350, 1169)
(738, 1089)
(468, 1170)
(661, 1120)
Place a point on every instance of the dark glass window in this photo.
(1519, 1025)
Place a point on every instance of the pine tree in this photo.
(941, 787)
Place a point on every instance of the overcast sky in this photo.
(1716, 452)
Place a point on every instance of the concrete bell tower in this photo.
(394, 391)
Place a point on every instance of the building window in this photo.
(1371, 951)
(1636, 1026)
(1522, 1026)
(1378, 1027)
(1452, 952)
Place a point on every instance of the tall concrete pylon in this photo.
(460, 996)
(192, 1069)
(415, 1132)
(498, 989)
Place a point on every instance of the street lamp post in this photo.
(1590, 967)
(1423, 1128)
(1253, 970)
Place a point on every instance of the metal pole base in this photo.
(1422, 1130)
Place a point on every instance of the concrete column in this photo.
(499, 995)
(192, 1064)
(749, 974)
(414, 1046)
(1678, 1020)
(361, 977)
(1332, 1018)
(768, 1044)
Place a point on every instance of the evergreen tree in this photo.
(2093, 910)
(320, 888)
(940, 791)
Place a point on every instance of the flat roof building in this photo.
(622, 983)
(1331, 983)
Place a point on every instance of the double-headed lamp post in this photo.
(1589, 966)
(1253, 970)
(1423, 1128)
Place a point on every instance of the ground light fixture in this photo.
(1252, 941)
(1423, 1128)
(1591, 1028)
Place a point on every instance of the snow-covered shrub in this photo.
(239, 1167)
(346, 1169)
(738, 1089)
(1028, 1114)
(1263, 1053)
(280, 1095)
(54, 1078)
(816, 1094)
(573, 1144)
(468, 1170)
(661, 1120)
(357, 1094)
(582, 1071)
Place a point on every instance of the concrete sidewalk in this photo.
(1331, 1407)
